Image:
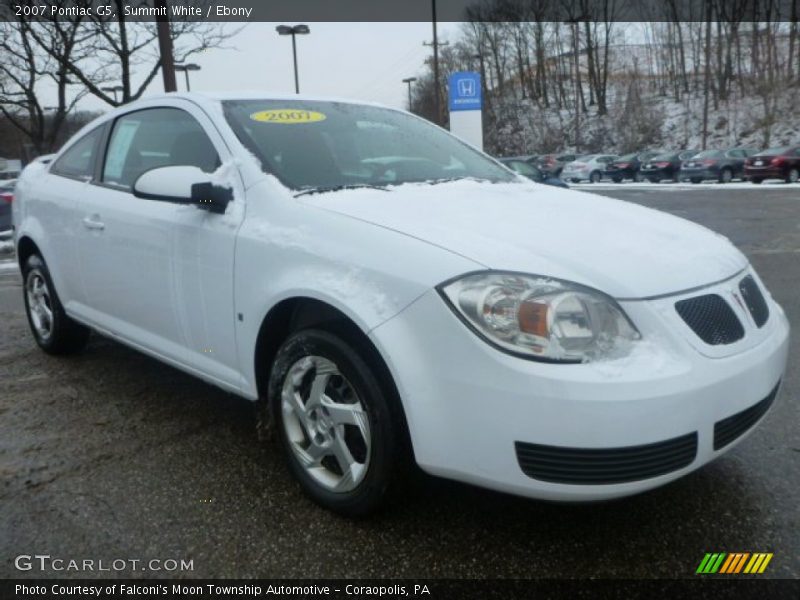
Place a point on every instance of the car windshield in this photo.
(782, 150)
(333, 145)
(708, 154)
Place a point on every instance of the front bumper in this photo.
(469, 406)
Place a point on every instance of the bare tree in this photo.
(116, 50)
(24, 70)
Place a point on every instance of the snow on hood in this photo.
(623, 249)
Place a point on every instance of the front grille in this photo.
(711, 318)
(597, 466)
(754, 300)
(729, 429)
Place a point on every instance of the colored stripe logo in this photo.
(733, 563)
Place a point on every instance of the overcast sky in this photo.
(353, 60)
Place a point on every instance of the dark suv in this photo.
(774, 163)
(722, 165)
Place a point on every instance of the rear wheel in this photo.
(725, 176)
(696, 180)
(653, 179)
(793, 175)
(616, 179)
(594, 177)
(756, 180)
(52, 329)
(334, 420)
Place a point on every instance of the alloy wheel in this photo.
(326, 424)
(40, 304)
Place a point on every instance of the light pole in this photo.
(293, 30)
(186, 69)
(114, 89)
(409, 81)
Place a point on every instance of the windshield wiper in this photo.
(321, 189)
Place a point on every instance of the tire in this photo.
(756, 180)
(653, 179)
(793, 175)
(53, 330)
(725, 176)
(575, 180)
(616, 179)
(343, 458)
(594, 177)
(696, 180)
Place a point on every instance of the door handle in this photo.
(93, 222)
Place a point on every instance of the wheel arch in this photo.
(303, 312)
(26, 247)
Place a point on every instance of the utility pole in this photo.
(409, 81)
(437, 100)
(165, 47)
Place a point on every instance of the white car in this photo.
(384, 290)
(589, 167)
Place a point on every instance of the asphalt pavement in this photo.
(112, 455)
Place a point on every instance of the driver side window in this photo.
(153, 138)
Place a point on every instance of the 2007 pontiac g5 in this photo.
(386, 291)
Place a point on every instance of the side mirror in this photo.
(183, 185)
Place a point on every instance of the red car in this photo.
(774, 163)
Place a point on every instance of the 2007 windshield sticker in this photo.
(287, 116)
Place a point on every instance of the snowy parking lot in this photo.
(111, 453)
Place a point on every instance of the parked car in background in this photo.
(6, 198)
(722, 165)
(589, 167)
(628, 165)
(553, 164)
(531, 172)
(665, 166)
(774, 163)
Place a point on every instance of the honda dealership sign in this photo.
(466, 102)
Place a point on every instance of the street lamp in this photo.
(293, 31)
(114, 89)
(186, 69)
(409, 81)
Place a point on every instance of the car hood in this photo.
(623, 249)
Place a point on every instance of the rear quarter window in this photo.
(79, 160)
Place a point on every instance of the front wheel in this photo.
(792, 176)
(52, 329)
(756, 180)
(334, 421)
(696, 180)
(616, 179)
(594, 177)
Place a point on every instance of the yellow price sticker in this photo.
(287, 116)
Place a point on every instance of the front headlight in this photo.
(541, 318)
